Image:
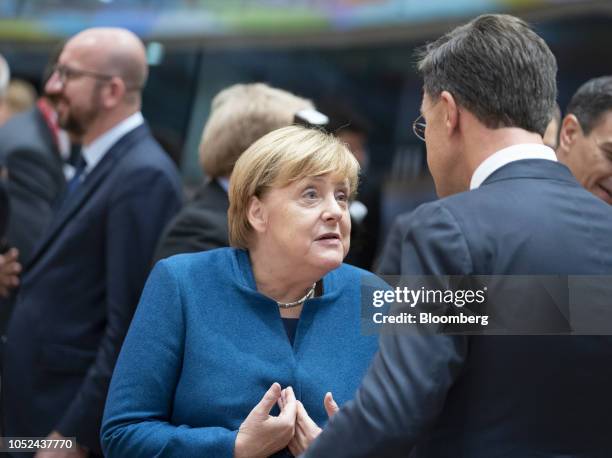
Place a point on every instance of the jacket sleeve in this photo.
(138, 409)
(389, 262)
(406, 386)
(136, 216)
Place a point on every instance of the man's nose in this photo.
(54, 83)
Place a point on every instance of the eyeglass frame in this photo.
(418, 127)
(66, 73)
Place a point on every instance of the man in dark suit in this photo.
(240, 115)
(507, 208)
(84, 280)
(585, 140)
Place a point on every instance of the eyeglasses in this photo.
(418, 127)
(66, 73)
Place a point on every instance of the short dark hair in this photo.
(498, 68)
(590, 101)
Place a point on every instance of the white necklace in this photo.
(308, 295)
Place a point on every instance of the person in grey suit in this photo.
(507, 207)
(84, 279)
(35, 177)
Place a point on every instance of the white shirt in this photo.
(507, 155)
(95, 151)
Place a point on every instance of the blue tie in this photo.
(76, 180)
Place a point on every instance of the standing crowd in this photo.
(231, 325)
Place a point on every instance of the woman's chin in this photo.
(330, 261)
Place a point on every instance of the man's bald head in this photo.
(97, 81)
(113, 51)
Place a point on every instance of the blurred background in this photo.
(358, 54)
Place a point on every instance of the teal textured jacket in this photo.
(204, 346)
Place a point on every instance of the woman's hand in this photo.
(306, 430)
(261, 434)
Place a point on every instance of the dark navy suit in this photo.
(80, 291)
(491, 396)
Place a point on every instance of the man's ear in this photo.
(570, 131)
(450, 111)
(256, 214)
(114, 92)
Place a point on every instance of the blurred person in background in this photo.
(221, 337)
(351, 128)
(30, 156)
(84, 278)
(551, 134)
(585, 143)
(10, 266)
(240, 115)
(30, 145)
(5, 78)
(20, 97)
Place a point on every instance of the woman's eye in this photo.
(341, 196)
(310, 194)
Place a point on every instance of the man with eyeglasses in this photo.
(84, 279)
(585, 141)
(506, 207)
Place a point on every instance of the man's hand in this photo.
(306, 430)
(77, 452)
(261, 434)
(9, 272)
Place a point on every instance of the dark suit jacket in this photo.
(35, 178)
(201, 225)
(491, 396)
(80, 291)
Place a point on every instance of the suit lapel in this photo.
(84, 192)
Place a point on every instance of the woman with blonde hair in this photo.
(234, 352)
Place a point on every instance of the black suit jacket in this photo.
(490, 396)
(201, 225)
(80, 291)
(35, 178)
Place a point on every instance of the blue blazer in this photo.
(80, 290)
(491, 396)
(204, 347)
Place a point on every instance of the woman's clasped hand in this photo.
(262, 434)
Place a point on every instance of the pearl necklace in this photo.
(308, 295)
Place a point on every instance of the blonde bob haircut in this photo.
(275, 161)
(239, 115)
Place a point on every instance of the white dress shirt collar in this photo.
(95, 151)
(507, 155)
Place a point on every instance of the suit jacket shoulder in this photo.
(201, 225)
